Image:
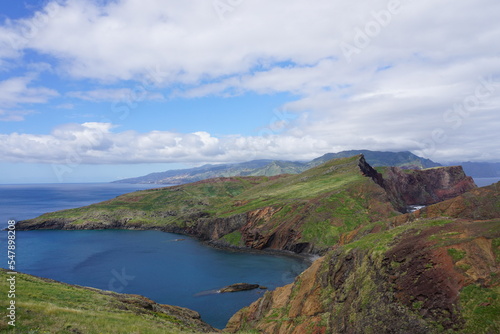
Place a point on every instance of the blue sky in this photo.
(102, 90)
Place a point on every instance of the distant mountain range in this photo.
(406, 160)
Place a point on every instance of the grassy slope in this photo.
(47, 306)
(325, 201)
(160, 206)
(322, 203)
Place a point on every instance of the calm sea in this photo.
(485, 181)
(168, 268)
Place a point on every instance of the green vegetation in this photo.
(417, 305)
(464, 266)
(356, 270)
(161, 206)
(322, 203)
(456, 254)
(322, 234)
(46, 306)
(495, 243)
(480, 309)
(233, 238)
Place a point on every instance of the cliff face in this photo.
(413, 279)
(477, 204)
(424, 187)
(305, 213)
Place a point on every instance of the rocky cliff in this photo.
(477, 204)
(424, 187)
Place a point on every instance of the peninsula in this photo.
(382, 268)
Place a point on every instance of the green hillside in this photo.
(436, 275)
(317, 205)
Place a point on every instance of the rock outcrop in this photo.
(239, 287)
(477, 204)
(215, 228)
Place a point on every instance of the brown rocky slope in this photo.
(428, 275)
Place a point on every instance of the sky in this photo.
(98, 90)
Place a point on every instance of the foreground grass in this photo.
(46, 306)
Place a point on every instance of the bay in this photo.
(168, 268)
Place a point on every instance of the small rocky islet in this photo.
(240, 287)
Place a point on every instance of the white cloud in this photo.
(96, 143)
(115, 95)
(14, 115)
(187, 41)
(18, 91)
(15, 91)
(394, 92)
(99, 143)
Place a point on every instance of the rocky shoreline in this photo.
(261, 228)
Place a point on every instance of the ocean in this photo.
(168, 268)
(486, 181)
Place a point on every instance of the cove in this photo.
(167, 268)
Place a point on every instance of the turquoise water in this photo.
(168, 268)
